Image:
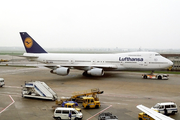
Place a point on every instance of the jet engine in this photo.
(96, 72)
(61, 71)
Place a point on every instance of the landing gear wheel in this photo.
(76, 119)
(159, 77)
(58, 118)
(87, 107)
(173, 112)
(97, 106)
(145, 76)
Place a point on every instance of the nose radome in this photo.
(170, 63)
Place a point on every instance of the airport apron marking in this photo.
(99, 112)
(8, 105)
(13, 86)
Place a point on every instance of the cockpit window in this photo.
(157, 55)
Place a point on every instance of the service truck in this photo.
(171, 107)
(61, 113)
(78, 95)
(90, 102)
(155, 76)
(2, 82)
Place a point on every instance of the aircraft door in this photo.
(72, 61)
(94, 61)
(146, 62)
(141, 63)
(121, 63)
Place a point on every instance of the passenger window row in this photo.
(65, 111)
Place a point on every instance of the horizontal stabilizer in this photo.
(28, 56)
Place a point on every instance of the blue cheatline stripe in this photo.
(40, 91)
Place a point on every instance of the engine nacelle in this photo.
(61, 71)
(96, 72)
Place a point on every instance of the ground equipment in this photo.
(78, 96)
(38, 89)
(155, 76)
(1, 82)
(90, 102)
(171, 107)
(107, 116)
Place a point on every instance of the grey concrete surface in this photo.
(123, 90)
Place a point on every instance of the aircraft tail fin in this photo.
(30, 44)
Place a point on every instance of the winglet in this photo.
(30, 44)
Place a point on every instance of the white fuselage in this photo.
(119, 61)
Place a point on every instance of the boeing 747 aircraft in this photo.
(93, 64)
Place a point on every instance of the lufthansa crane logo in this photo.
(28, 42)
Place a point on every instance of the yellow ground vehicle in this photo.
(68, 104)
(90, 102)
(2, 60)
(170, 68)
(144, 116)
(72, 104)
(78, 96)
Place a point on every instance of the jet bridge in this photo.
(38, 89)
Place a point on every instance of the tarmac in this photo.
(123, 91)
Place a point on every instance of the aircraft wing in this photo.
(82, 67)
(153, 114)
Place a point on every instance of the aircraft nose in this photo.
(170, 63)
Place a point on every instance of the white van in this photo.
(62, 113)
(171, 107)
(1, 82)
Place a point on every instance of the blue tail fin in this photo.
(30, 44)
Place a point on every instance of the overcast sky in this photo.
(92, 24)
